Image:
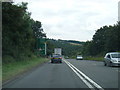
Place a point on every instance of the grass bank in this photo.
(100, 58)
(11, 70)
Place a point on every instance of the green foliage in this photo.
(8, 59)
(68, 48)
(18, 32)
(73, 41)
(106, 39)
(50, 47)
(37, 29)
(98, 58)
(13, 69)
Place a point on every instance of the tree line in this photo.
(70, 48)
(106, 39)
(19, 32)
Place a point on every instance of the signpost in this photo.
(41, 46)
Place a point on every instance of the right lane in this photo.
(107, 77)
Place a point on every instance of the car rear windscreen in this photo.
(115, 55)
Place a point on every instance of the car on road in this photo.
(66, 57)
(79, 57)
(56, 58)
(112, 59)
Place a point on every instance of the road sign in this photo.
(41, 46)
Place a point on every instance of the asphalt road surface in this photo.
(69, 74)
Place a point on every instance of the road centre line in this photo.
(95, 84)
(83, 77)
(88, 84)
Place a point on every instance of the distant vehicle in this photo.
(79, 57)
(58, 51)
(56, 58)
(112, 59)
(66, 57)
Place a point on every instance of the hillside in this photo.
(69, 47)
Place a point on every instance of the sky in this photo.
(73, 19)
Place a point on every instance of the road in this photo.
(69, 74)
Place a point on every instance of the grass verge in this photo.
(11, 70)
(94, 58)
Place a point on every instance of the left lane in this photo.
(48, 76)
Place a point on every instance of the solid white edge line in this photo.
(90, 80)
(87, 83)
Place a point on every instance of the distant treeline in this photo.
(19, 32)
(73, 41)
(106, 39)
(69, 48)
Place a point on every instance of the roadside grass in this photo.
(94, 58)
(0, 74)
(13, 69)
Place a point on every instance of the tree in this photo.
(37, 29)
(19, 31)
(105, 39)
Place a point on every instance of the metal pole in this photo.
(45, 48)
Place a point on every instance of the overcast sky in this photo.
(73, 19)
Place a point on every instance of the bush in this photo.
(8, 59)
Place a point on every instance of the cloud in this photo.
(73, 19)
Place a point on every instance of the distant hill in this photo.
(76, 42)
(69, 47)
(68, 41)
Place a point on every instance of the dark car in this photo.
(56, 58)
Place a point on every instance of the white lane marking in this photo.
(86, 77)
(95, 84)
(88, 84)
